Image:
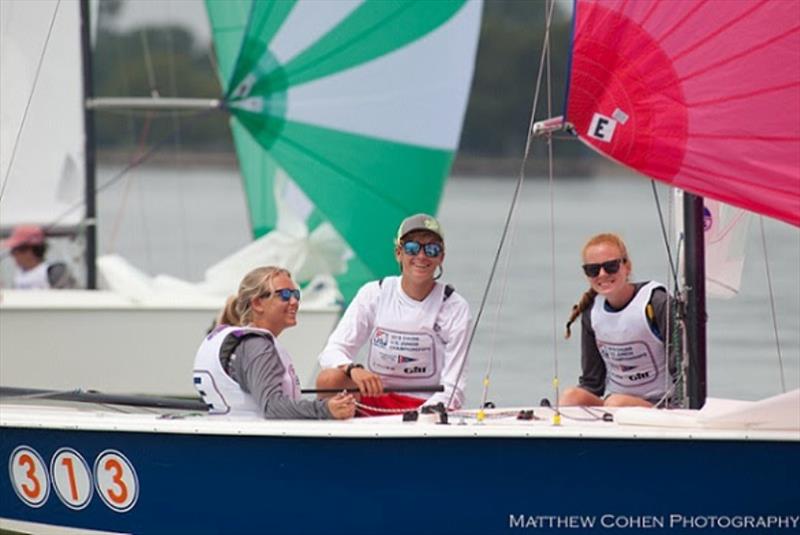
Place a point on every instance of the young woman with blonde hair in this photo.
(241, 368)
(623, 327)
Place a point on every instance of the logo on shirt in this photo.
(414, 370)
(381, 338)
(402, 359)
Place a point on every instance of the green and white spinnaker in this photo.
(346, 114)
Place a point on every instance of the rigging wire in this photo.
(551, 190)
(148, 64)
(173, 85)
(142, 158)
(500, 301)
(154, 93)
(30, 98)
(140, 148)
(672, 262)
(772, 303)
(514, 202)
(675, 287)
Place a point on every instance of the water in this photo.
(180, 223)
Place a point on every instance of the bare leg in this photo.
(578, 396)
(624, 400)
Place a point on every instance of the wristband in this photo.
(349, 369)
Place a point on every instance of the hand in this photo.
(367, 382)
(342, 406)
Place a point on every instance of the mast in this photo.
(90, 219)
(695, 283)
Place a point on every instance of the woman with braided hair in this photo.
(242, 369)
(623, 327)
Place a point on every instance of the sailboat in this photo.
(727, 465)
(324, 131)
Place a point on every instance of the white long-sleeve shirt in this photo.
(410, 343)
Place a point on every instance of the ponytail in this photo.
(577, 309)
(228, 315)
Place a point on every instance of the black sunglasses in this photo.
(432, 250)
(284, 293)
(610, 267)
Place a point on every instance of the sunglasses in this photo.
(610, 267)
(432, 250)
(285, 294)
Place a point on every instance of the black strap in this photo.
(448, 291)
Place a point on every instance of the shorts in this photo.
(388, 401)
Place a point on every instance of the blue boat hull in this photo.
(264, 484)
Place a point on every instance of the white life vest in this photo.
(33, 279)
(221, 393)
(635, 358)
(405, 348)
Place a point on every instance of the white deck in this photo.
(49, 415)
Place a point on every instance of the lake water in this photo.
(180, 223)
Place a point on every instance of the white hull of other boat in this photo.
(103, 341)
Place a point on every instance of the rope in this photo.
(510, 215)
(772, 304)
(28, 103)
(363, 408)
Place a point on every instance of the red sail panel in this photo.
(701, 94)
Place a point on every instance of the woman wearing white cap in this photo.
(415, 327)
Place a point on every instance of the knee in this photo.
(578, 396)
(623, 400)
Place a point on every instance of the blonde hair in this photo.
(237, 309)
(588, 297)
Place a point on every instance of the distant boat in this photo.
(727, 465)
(340, 134)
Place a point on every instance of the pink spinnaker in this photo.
(701, 94)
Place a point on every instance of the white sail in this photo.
(725, 232)
(41, 120)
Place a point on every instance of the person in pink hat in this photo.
(28, 246)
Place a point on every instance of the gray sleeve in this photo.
(59, 277)
(660, 301)
(259, 371)
(593, 369)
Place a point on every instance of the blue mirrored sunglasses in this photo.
(432, 250)
(284, 293)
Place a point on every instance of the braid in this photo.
(577, 309)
